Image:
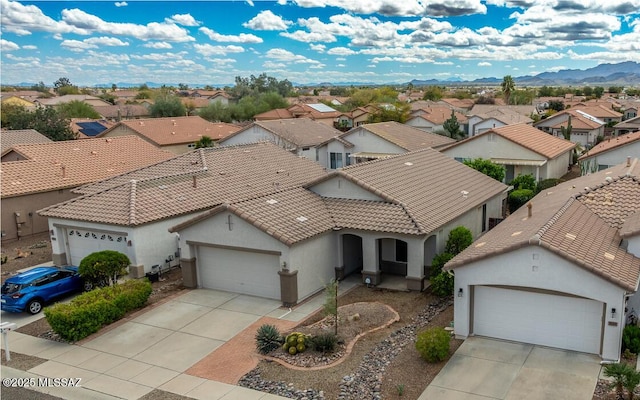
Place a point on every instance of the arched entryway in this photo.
(430, 248)
(392, 256)
(352, 259)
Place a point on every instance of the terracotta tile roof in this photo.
(303, 132)
(438, 114)
(278, 113)
(528, 137)
(504, 115)
(565, 220)
(404, 136)
(598, 111)
(312, 111)
(610, 144)
(72, 163)
(496, 110)
(409, 180)
(189, 183)
(371, 216)
(8, 139)
(177, 130)
(124, 111)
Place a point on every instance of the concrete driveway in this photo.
(485, 368)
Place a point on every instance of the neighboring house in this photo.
(522, 149)
(630, 125)
(67, 98)
(86, 128)
(39, 175)
(132, 213)
(28, 95)
(356, 117)
(585, 128)
(119, 112)
(461, 105)
(376, 219)
(10, 138)
(484, 117)
(558, 272)
(175, 134)
(11, 100)
(379, 140)
(630, 112)
(302, 136)
(610, 152)
(317, 112)
(432, 119)
(125, 95)
(602, 112)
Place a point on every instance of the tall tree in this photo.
(167, 106)
(204, 141)
(452, 127)
(78, 109)
(46, 120)
(508, 86)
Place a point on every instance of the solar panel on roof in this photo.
(321, 107)
(91, 128)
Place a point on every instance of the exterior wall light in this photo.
(613, 313)
(460, 292)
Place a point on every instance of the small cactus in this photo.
(268, 338)
(295, 342)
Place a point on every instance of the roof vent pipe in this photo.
(64, 172)
(529, 208)
(195, 183)
(628, 161)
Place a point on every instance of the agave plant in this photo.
(268, 338)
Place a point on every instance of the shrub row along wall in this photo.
(90, 311)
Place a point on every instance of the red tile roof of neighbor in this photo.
(302, 132)
(610, 144)
(177, 130)
(189, 183)
(582, 220)
(528, 137)
(72, 163)
(404, 136)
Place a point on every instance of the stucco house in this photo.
(316, 111)
(612, 151)
(521, 148)
(602, 112)
(387, 217)
(10, 138)
(630, 112)
(175, 134)
(483, 117)
(585, 128)
(35, 176)
(9, 99)
(561, 272)
(119, 112)
(67, 98)
(132, 212)
(302, 136)
(382, 139)
(630, 125)
(431, 119)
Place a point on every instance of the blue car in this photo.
(31, 290)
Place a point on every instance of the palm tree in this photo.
(631, 381)
(618, 372)
(508, 86)
(204, 141)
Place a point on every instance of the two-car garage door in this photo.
(546, 319)
(239, 270)
(82, 242)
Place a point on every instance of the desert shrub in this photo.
(438, 262)
(631, 339)
(268, 338)
(459, 239)
(324, 342)
(433, 344)
(546, 184)
(524, 182)
(442, 284)
(88, 312)
(518, 198)
(104, 268)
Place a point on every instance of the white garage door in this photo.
(550, 320)
(81, 243)
(239, 271)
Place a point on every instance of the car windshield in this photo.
(9, 288)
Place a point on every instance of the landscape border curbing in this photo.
(348, 349)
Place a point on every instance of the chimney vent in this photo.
(628, 161)
(195, 182)
(529, 209)
(64, 172)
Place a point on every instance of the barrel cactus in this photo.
(295, 342)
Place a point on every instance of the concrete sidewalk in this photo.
(155, 349)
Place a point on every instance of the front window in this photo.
(336, 160)
(347, 159)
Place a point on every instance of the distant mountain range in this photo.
(622, 74)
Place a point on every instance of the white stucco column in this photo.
(415, 264)
(371, 263)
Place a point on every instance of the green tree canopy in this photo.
(487, 167)
(78, 109)
(46, 120)
(205, 141)
(459, 239)
(167, 106)
(452, 127)
(104, 268)
(433, 93)
(397, 112)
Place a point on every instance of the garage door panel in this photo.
(81, 243)
(551, 320)
(239, 271)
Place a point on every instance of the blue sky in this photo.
(310, 41)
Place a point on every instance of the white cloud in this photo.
(320, 48)
(160, 57)
(267, 21)
(121, 4)
(341, 51)
(209, 50)
(241, 38)
(22, 20)
(182, 19)
(92, 43)
(106, 41)
(484, 64)
(286, 55)
(157, 45)
(404, 8)
(30, 47)
(308, 37)
(6, 45)
(274, 65)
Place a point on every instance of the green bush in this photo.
(268, 338)
(324, 342)
(88, 312)
(103, 268)
(459, 239)
(546, 184)
(631, 339)
(518, 198)
(438, 262)
(442, 284)
(433, 344)
(524, 182)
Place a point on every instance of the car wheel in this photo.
(87, 286)
(34, 306)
